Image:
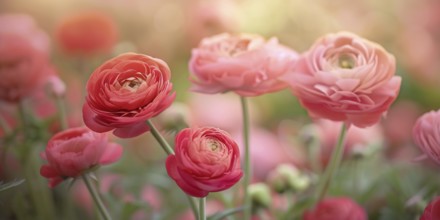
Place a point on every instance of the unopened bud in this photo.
(260, 195)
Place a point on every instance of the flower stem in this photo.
(163, 143)
(332, 167)
(95, 195)
(202, 203)
(167, 148)
(247, 160)
(62, 112)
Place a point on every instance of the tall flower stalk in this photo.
(96, 197)
(247, 160)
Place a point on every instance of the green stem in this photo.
(163, 143)
(4, 125)
(332, 167)
(95, 195)
(202, 203)
(167, 148)
(62, 112)
(247, 159)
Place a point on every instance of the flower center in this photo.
(238, 47)
(213, 145)
(346, 62)
(132, 83)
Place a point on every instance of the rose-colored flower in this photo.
(426, 134)
(340, 208)
(87, 33)
(24, 55)
(344, 77)
(73, 151)
(126, 91)
(206, 160)
(246, 64)
(432, 210)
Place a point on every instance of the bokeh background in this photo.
(390, 184)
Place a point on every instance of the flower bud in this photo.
(260, 195)
(287, 177)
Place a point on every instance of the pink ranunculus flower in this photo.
(432, 210)
(246, 64)
(426, 134)
(24, 57)
(344, 77)
(126, 91)
(206, 160)
(74, 151)
(340, 208)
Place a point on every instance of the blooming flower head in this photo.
(24, 57)
(74, 151)
(126, 91)
(432, 210)
(341, 208)
(246, 64)
(344, 77)
(426, 134)
(87, 33)
(206, 160)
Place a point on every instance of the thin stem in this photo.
(62, 112)
(163, 143)
(247, 160)
(202, 203)
(4, 125)
(95, 195)
(167, 148)
(332, 167)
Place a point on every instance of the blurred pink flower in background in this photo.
(219, 110)
(340, 208)
(87, 33)
(426, 134)
(357, 139)
(73, 151)
(24, 57)
(267, 152)
(420, 40)
(126, 91)
(245, 64)
(344, 77)
(432, 210)
(207, 18)
(206, 160)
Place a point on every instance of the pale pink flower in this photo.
(246, 64)
(74, 151)
(24, 57)
(341, 208)
(344, 77)
(426, 134)
(206, 160)
(126, 91)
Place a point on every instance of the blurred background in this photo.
(390, 185)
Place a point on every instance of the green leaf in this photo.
(5, 186)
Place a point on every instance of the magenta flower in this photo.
(432, 210)
(344, 77)
(206, 160)
(340, 208)
(74, 151)
(126, 91)
(246, 64)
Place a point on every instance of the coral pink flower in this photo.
(71, 152)
(432, 210)
(246, 64)
(126, 91)
(24, 55)
(206, 160)
(87, 33)
(344, 77)
(426, 134)
(341, 208)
